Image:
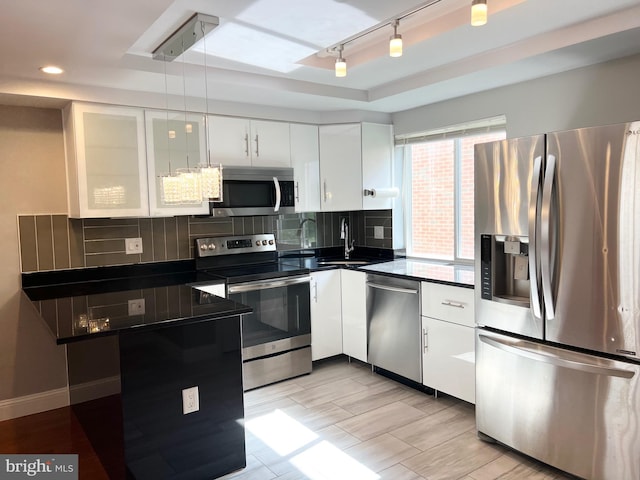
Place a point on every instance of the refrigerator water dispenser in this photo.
(505, 269)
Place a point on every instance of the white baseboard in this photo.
(36, 403)
(84, 392)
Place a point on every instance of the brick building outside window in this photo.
(440, 217)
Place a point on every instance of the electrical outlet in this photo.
(378, 231)
(136, 307)
(190, 400)
(133, 245)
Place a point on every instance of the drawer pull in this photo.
(450, 303)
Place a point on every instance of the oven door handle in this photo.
(264, 285)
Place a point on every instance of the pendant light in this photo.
(210, 175)
(478, 12)
(169, 183)
(190, 185)
(341, 63)
(395, 42)
(186, 186)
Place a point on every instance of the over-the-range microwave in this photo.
(255, 191)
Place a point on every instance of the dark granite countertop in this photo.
(417, 269)
(449, 274)
(87, 303)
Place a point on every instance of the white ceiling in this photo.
(105, 48)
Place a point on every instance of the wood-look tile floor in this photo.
(345, 422)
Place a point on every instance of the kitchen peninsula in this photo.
(180, 364)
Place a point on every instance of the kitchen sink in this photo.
(343, 262)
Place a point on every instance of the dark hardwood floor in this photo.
(61, 431)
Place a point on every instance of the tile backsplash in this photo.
(55, 242)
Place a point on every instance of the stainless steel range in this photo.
(276, 337)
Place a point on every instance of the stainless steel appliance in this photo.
(393, 325)
(276, 337)
(255, 191)
(557, 276)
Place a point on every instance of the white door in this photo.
(270, 144)
(305, 160)
(326, 314)
(229, 140)
(354, 314)
(106, 161)
(340, 167)
(377, 173)
(173, 142)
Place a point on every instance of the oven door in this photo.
(281, 318)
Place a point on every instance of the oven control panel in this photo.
(212, 246)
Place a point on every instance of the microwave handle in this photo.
(278, 194)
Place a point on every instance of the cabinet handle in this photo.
(257, 146)
(246, 145)
(324, 190)
(315, 292)
(297, 192)
(425, 335)
(450, 303)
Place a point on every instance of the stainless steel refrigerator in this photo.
(557, 298)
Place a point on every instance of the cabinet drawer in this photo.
(445, 302)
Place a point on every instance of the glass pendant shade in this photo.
(190, 186)
(478, 13)
(395, 46)
(341, 67)
(170, 194)
(211, 182)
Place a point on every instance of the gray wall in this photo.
(597, 95)
(32, 181)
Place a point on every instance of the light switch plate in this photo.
(190, 400)
(378, 231)
(133, 245)
(136, 307)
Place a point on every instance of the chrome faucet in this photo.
(344, 235)
(301, 232)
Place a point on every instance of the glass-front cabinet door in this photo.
(106, 161)
(176, 142)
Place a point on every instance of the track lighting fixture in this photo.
(395, 42)
(478, 12)
(341, 63)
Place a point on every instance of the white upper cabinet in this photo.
(305, 160)
(270, 144)
(174, 141)
(340, 167)
(229, 140)
(106, 161)
(377, 155)
(246, 142)
(355, 157)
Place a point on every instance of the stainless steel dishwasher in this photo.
(393, 325)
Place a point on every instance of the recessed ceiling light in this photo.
(51, 69)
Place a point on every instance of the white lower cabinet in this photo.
(448, 360)
(326, 314)
(354, 314)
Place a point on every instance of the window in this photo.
(439, 214)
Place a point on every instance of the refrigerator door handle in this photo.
(533, 222)
(545, 237)
(522, 350)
